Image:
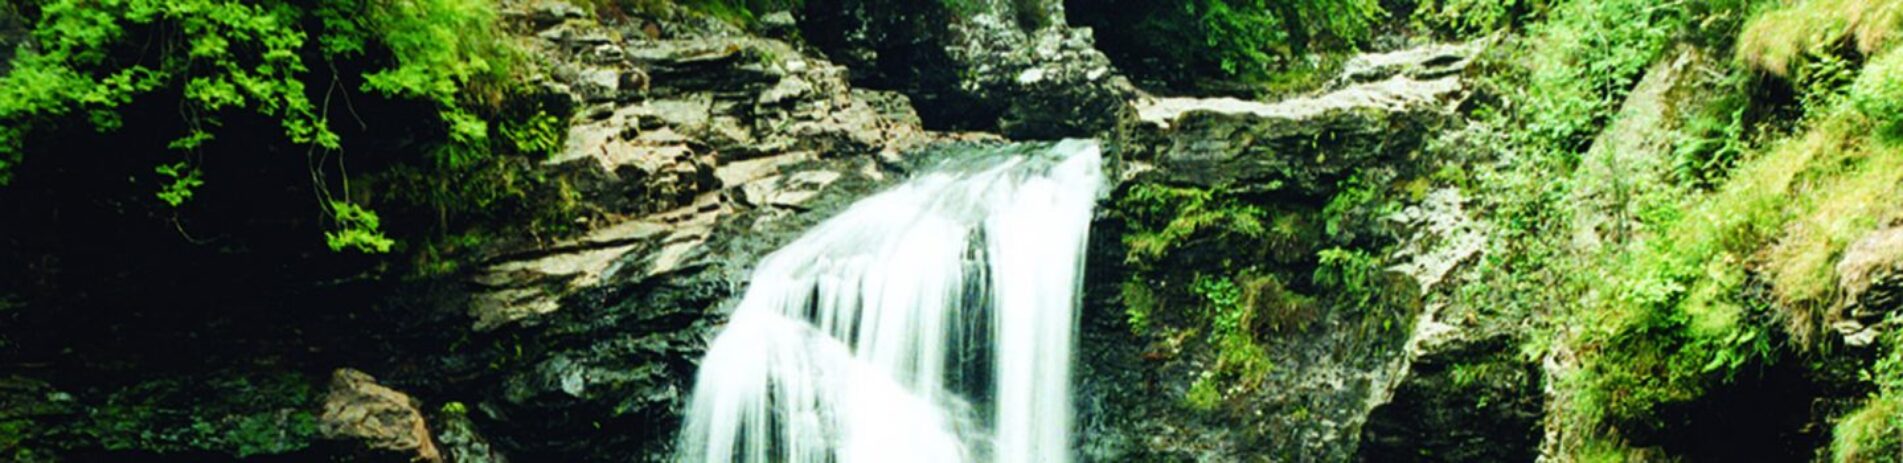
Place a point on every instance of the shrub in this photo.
(1878, 91)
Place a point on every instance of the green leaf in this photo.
(184, 179)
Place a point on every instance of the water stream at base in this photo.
(932, 322)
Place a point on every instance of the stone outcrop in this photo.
(716, 116)
(379, 421)
(729, 146)
(1870, 278)
(1335, 363)
(1635, 149)
(1460, 390)
(1377, 112)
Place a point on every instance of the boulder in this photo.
(1426, 62)
(379, 421)
(1049, 78)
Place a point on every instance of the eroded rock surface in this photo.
(1304, 143)
(716, 124)
(1460, 390)
(713, 148)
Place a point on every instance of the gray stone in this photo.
(1635, 149)
(779, 25)
(1305, 144)
(1427, 62)
(552, 12)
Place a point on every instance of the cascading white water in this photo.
(929, 323)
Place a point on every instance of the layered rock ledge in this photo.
(1379, 109)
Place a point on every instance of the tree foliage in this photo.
(86, 59)
(1246, 39)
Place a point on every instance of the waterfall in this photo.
(931, 322)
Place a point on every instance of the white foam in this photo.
(882, 334)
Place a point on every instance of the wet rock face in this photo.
(711, 149)
(603, 372)
(1460, 390)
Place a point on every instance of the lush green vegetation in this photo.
(1164, 220)
(295, 63)
(1266, 45)
(1227, 271)
(1714, 259)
